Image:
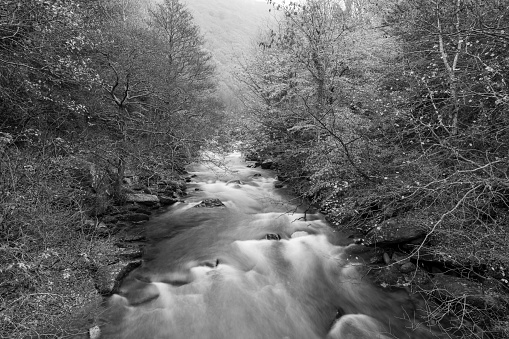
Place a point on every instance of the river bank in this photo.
(408, 245)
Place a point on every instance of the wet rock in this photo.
(136, 254)
(210, 203)
(138, 187)
(388, 276)
(134, 217)
(166, 201)
(273, 236)
(144, 199)
(142, 210)
(370, 255)
(278, 184)
(133, 238)
(236, 181)
(251, 156)
(105, 276)
(94, 332)
(267, 164)
(394, 231)
(256, 175)
(407, 267)
(387, 259)
(280, 177)
(400, 258)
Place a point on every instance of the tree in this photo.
(458, 54)
(309, 69)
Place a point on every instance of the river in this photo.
(223, 272)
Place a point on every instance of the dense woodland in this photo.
(373, 110)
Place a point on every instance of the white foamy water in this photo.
(210, 272)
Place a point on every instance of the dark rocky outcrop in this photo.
(234, 182)
(107, 279)
(134, 217)
(142, 198)
(267, 164)
(166, 201)
(210, 203)
(395, 231)
(273, 236)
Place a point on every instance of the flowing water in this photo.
(212, 272)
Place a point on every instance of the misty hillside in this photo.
(229, 27)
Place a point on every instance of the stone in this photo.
(136, 254)
(407, 267)
(166, 201)
(209, 203)
(280, 177)
(278, 184)
(400, 258)
(267, 164)
(144, 199)
(135, 217)
(256, 175)
(395, 231)
(447, 287)
(235, 181)
(94, 332)
(273, 236)
(387, 259)
(365, 254)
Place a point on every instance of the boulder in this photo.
(395, 231)
(267, 164)
(407, 267)
(273, 236)
(94, 332)
(235, 181)
(280, 177)
(107, 279)
(278, 184)
(141, 198)
(165, 200)
(449, 288)
(134, 217)
(210, 203)
(368, 255)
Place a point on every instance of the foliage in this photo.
(88, 90)
(415, 127)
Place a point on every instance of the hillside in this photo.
(230, 28)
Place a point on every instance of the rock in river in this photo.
(144, 199)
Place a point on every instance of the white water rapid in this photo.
(211, 272)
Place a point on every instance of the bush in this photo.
(44, 254)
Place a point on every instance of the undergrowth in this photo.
(45, 253)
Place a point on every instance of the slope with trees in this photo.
(89, 92)
(392, 117)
